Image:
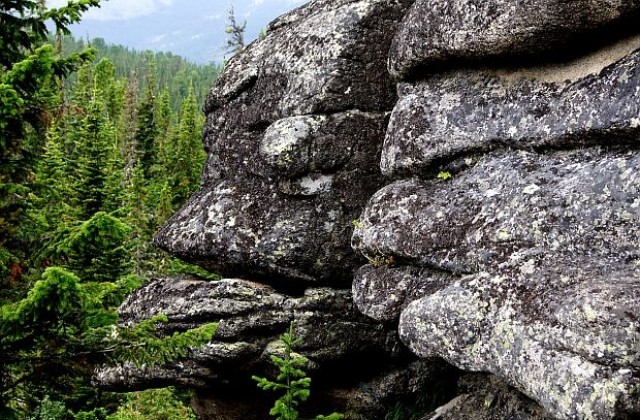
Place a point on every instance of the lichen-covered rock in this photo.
(286, 216)
(383, 292)
(459, 113)
(444, 31)
(543, 287)
(294, 128)
(484, 397)
(251, 317)
(324, 57)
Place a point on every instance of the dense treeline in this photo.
(172, 72)
(90, 166)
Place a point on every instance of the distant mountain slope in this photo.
(193, 29)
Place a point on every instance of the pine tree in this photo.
(127, 129)
(188, 154)
(235, 33)
(52, 207)
(28, 95)
(147, 130)
(113, 91)
(98, 142)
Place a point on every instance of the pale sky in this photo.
(119, 9)
(129, 9)
(191, 28)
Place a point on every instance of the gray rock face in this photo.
(294, 220)
(503, 239)
(460, 113)
(542, 290)
(484, 397)
(521, 260)
(251, 317)
(445, 31)
(294, 129)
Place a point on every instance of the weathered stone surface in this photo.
(484, 397)
(324, 57)
(251, 318)
(294, 223)
(294, 129)
(542, 255)
(443, 31)
(383, 292)
(464, 112)
(573, 203)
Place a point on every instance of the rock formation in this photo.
(489, 177)
(295, 126)
(524, 263)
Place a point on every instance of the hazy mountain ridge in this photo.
(193, 29)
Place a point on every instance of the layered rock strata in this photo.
(295, 126)
(508, 242)
(491, 178)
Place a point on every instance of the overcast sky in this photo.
(192, 28)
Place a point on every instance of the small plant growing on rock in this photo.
(292, 380)
(380, 259)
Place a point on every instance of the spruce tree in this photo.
(98, 142)
(147, 130)
(188, 155)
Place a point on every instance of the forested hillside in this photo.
(172, 72)
(99, 145)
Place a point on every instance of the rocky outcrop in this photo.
(490, 182)
(542, 275)
(508, 241)
(460, 32)
(464, 112)
(295, 126)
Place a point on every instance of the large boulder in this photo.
(542, 282)
(594, 100)
(294, 129)
(447, 33)
(508, 242)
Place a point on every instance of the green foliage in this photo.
(140, 345)
(66, 326)
(292, 380)
(89, 166)
(235, 33)
(444, 175)
(28, 67)
(153, 404)
(50, 410)
(96, 249)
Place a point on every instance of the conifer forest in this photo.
(99, 145)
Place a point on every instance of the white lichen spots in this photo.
(492, 192)
(286, 136)
(529, 267)
(590, 314)
(449, 101)
(530, 189)
(512, 131)
(502, 235)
